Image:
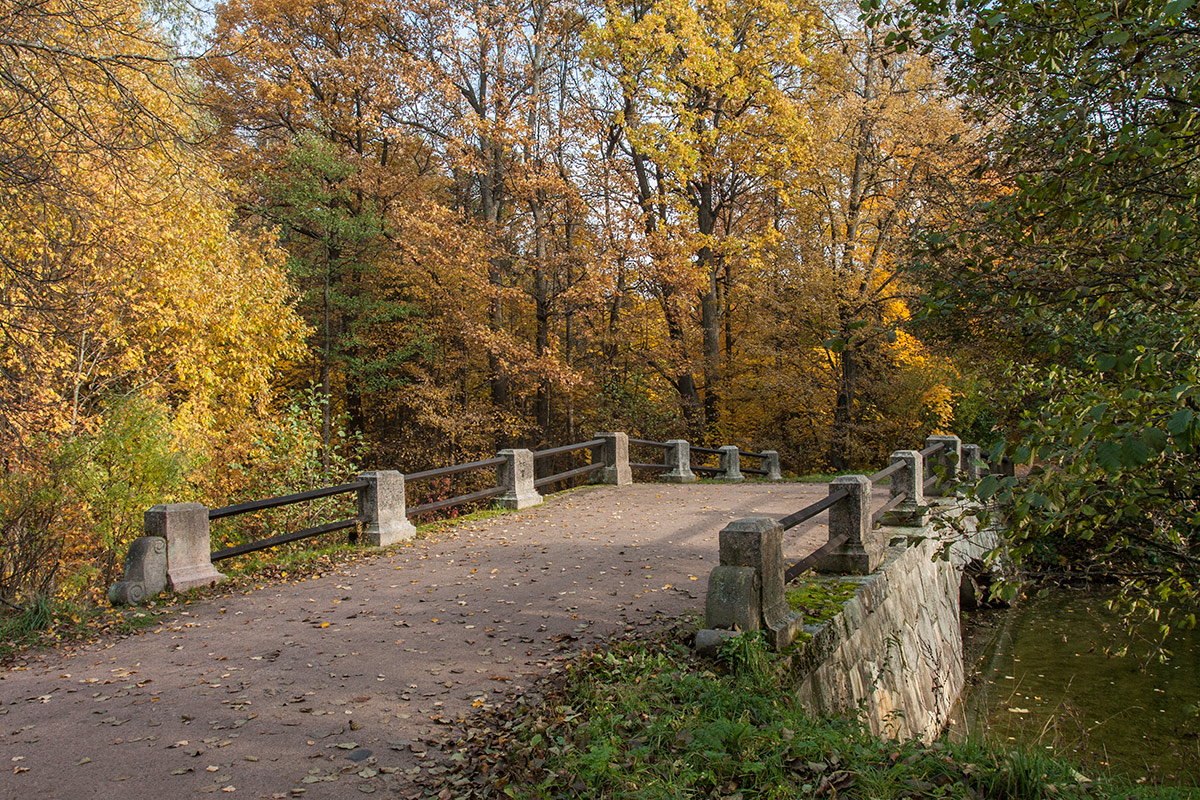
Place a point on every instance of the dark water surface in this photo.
(1050, 683)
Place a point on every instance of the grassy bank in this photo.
(650, 720)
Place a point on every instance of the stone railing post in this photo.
(516, 478)
(972, 466)
(614, 453)
(746, 592)
(862, 551)
(189, 545)
(381, 508)
(771, 462)
(679, 463)
(949, 461)
(145, 572)
(911, 513)
(730, 465)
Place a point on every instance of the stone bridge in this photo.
(266, 689)
(302, 688)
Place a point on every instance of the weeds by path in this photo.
(649, 720)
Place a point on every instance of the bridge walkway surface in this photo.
(328, 686)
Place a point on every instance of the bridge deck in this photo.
(264, 690)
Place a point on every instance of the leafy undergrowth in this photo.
(44, 622)
(649, 720)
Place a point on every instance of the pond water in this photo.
(1048, 682)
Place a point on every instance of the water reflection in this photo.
(1050, 684)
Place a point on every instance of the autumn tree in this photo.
(890, 141)
(707, 113)
(129, 297)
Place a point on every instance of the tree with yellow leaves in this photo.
(707, 102)
(122, 276)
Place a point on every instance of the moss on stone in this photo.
(820, 600)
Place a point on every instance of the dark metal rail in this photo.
(888, 506)
(932, 449)
(808, 512)
(566, 448)
(759, 456)
(453, 469)
(750, 471)
(571, 473)
(285, 500)
(930, 482)
(886, 472)
(648, 443)
(482, 494)
(637, 465)
(809, 561)
(713, 470)
(283, 538)
(708, 450)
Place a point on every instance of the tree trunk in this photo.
(841, 439)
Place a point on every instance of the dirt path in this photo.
(325, 687)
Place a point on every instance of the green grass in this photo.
(651, 721)
(44, 622)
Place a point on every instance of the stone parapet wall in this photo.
(894, 651)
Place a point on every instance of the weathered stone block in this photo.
(382, 509)
(709, 641)
(679, 463)
(863, 550)
(757, 543)
(948, 461)
(771, 464)
(730, 465)
(145, 572)
(972, 466)
(909, 481)
(734, 599)
(185, 527)
(516, 476)
(614, 454)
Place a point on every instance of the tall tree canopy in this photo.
(1083, 269)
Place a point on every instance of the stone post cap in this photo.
(176, 508)
(842, 481)
(752, 525)
(744, 542)
(952, 444)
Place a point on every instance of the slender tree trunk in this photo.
(841, 441)
(326, 355)
(710, 313)
(541, 294)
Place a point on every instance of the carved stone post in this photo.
(614, 454)
(863, 549)
(972, 456)
(948, 461)
(381, 508)
(145, 572)
(746, 592)
(730, 465)
(679, 463)
(771, 461)
(185, 527)
(516, 476)
(909, 481)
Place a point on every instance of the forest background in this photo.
(405, 233)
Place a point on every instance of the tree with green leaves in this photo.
(1080, 273)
